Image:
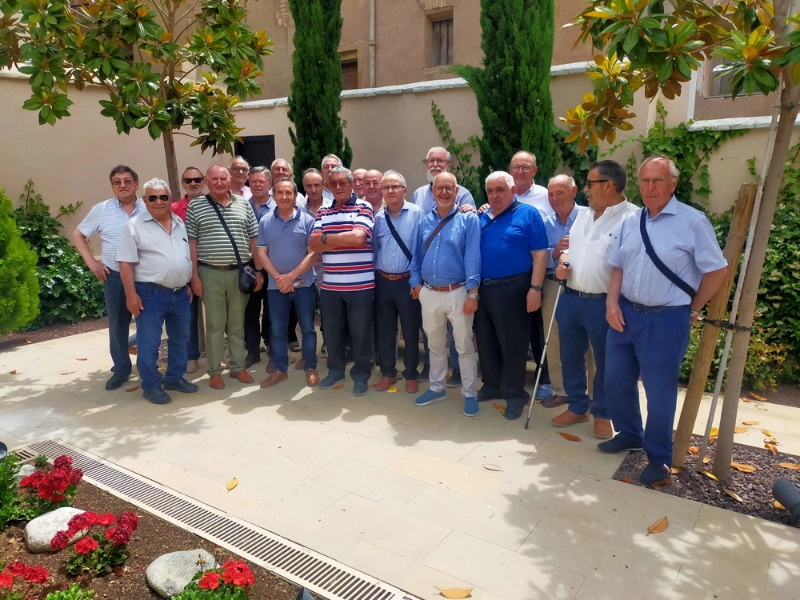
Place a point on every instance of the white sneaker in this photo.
(191, 366)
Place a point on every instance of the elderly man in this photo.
(283, 251)
(561, 191)
(239, 170)
(513, 263)
(155, 266)
(372, 189)
(279, 169)
(447, 262)
(343, 233)
(396, 238)
(313, 201)
(108, 219)
(215, 271)
(581, 313)
(329, 163)
(523, 169)
(649, 309)
(358, 182)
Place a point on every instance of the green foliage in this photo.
(513, 87)
(75, 592)
(315, 101)
(9, 499)
(69, 291)
(19, 289)
(576, 161)
(461, 153)
(40, 461)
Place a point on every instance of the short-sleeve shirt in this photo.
(347, 269)
(506, 245)
(213, 245)
(556, 230)
(537, 197)
(159, 257)
(108, 218)
(287, 243)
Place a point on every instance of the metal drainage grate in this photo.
(317, 573)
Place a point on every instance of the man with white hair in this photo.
(513, 263)
(329, 163)
(666, 265)
(155, 267)
(239, 169)
(358, 182)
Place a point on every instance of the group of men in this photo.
(623, 284)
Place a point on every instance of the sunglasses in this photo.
(162, 197)
(188, 180)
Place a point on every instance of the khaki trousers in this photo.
(224, 305)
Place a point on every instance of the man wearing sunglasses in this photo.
(155, 268)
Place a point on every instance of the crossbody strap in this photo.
(509, 210)
(225, 227)
(397, 237)
(665, 270)
(436, 231)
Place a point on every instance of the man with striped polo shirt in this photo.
(343, 234)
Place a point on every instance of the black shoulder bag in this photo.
(247, 274)
(657, 261)
(510, 209)
(397, 237)
(436, 231)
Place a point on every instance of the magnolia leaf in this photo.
(676, 470)
(761, 407)
(706, 460)
(792, 466)
(693, 449)
(733, 495)
(712, 439)
(499, 408)
(232, 483)
(491, 467)
(739, 429)
(658, 526)
(757, 397)
(750, 422)
(746, 400)
(772, 440)
(766, 432)
(133, 388)
(27, 341)
(392, 389)
(14, 372)
(68, 372)
(743, 467)
(778, 505)
(81, 359)
(338, 387)
(714, 432)
(710, 475)
(455, 592)
(569, 436)
(772, 448)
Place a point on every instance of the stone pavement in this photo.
(419, 497)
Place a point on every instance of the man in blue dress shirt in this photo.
(650, 315)
(445, 275)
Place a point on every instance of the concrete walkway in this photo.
(419, 497)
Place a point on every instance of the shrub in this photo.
(19, 289)
(9, 499)
(74, 592)
(231, 581)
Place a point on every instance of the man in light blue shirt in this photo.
(445, 275)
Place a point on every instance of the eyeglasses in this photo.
(523, 168)
(240, 169)
(188, 180)
(120, 182)
(339, 184)
(437, 161)
(445, 188)
(589, 182)
(392, 188)
(162, 197)
(658, 182)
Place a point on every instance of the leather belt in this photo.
(586, 295)
(509, 279)
(394, 276)
(551, 277)
(445, 288)
(654, 310)
(218, 267)
(161, 288)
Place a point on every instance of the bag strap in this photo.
(439, 227)
(658, 262)
(225, 227)
(510, 209)
(396, 236)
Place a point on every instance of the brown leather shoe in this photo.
(243, 376)
(216, 382)
(603, 429)
(384, 383)
(567, 418)
(271, 367)
(412, 386)
(274, 379)
(312, 378)
(300, 364)
(554, 401)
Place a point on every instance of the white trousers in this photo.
(437, 309)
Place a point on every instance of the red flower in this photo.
(129, 521)
(119, 535)
(35, 574)
(81, 522)
(74, 476)
(15, 569)
(86, 545)
(106, 519)
(60, 540)
(209, 581)
(62, 462)
(237, 573)
(6, 580)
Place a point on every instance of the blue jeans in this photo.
(453, 351)
(119, 323)
(194, 338)
(653, 345)
(159, 306)
(582, 321)
(280, 305)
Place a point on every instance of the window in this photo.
(350, 74)
(442, 43)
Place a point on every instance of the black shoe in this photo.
(182, 386)
(348, 354)
(425, 374)
(324, 350)
(251, 359)
(116, 381)
(486, 395)
(620, 443)
(455, 379)
(158, 396)
(513, 412)
(655, 475)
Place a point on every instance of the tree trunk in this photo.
(172, 164)
(716, 311)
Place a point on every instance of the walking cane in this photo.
(562, 283)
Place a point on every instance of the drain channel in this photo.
(316, 572)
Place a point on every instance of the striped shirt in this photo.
(108, 218)
(347, 269)
(213, 245)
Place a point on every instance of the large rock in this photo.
(169, 573)
(41, 530)
(24, 471)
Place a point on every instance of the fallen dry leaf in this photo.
(739, 429)
(119, 571)
(500, 408)
(626, 480)
(778, 505)
(712, 439)
(714, 432)
(791, 466)
(81, 359)
(491, 467)
(658, 526)
(710, 475)
(133, 388)
(392, 389)
(743, 467)
(706, 460)
(232, 483)
(68, 372)
(569, 436)
(746, 400)
(14, 372)
(733, 495)
(757, 397)
(338, 387)
(750, 422)
(772, 441)
(766, 432)
(455, 592)
(676, 470)
(27, 341)
(772, 448)
(133, 351)
(761, 407)
(693, 449)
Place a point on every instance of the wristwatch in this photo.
(324, 238)
(536, 288)
(473, 296)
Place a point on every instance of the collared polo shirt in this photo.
(683, 239)
(423, 197)
(536, 196)
(213, 245)
(262, 209)
(287, 243)
(347, 269)
(159, 257)
(454, 255)
(108, 218)
(389, 257)
(555, 231)
(506, 246)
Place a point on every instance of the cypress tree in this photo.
(19, 288)
(513, 87)
(315, 100)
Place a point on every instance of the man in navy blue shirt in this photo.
(513, 264)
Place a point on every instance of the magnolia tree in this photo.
(146, 56)
(655, 45)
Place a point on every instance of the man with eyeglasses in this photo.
(523, 169)
(155, 267)
(581, 314)
(329, 163)
(108, 218)
(650, 308)
(396, 238)
(239, 170)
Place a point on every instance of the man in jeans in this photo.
(283, 252)
(108, 218)
(155, 266)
